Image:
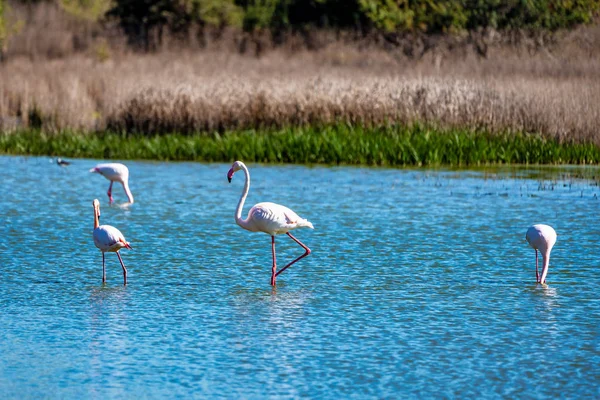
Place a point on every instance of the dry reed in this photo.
(553, 93)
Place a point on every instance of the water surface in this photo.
(420, 284)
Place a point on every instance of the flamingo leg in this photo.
(306, 252)
(109, 193)
(103, 269)
(124, 269)
(273, 274)
(537, 275)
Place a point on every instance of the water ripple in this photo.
(420, 284)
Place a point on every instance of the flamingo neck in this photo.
(244, 223)
(546, 264)
(96, 219)
(127, 191)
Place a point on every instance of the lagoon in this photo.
(420, 284)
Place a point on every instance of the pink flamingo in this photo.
(541, 237)
(115, 172)
(269, 218)
(108, 238)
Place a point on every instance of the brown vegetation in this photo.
(553, 89)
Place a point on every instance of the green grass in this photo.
(339, 144)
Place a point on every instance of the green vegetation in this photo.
(145, 21)
(459, 15)
(339, 144)
(3, 30)
(90, 10)
(361, 86)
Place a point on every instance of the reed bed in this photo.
(188, 93)
(339, 144)
(351, 103)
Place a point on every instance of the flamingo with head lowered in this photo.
(270, 218)
(541, 237)
(108, 238)
(115, 172)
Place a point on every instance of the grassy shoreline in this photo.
(396, 145)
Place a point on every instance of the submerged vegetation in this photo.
(338, 144)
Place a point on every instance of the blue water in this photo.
(420, 284)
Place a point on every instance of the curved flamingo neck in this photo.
(96, 219)
(127, 191)
(244, 223)
(546, 259)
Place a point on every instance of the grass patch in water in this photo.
(338, 144)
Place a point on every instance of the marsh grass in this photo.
(338, 144)
(187, 93)
(57, 79)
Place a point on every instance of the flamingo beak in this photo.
(230, 175)
(94, 170)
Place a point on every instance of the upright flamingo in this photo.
(269, 218)
(115, 172)
(541, 237)
(108, 238)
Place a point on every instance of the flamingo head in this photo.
(95, 169)
(234, 168)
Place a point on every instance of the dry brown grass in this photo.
(554, 91)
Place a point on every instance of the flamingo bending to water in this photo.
(541, 237)
(108, 238)
(115, 172)
(269, 218)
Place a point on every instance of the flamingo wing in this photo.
(273, 218)
(541, 236)
(112, 171)
(109, 238)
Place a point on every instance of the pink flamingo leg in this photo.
(103, 269)
(124, 269)
(273, 274)
(110, 198)
(306, 252)
(537, 275)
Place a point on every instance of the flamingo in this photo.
(108, 238)
(541, 237)
(115, 172)
(269, 218)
